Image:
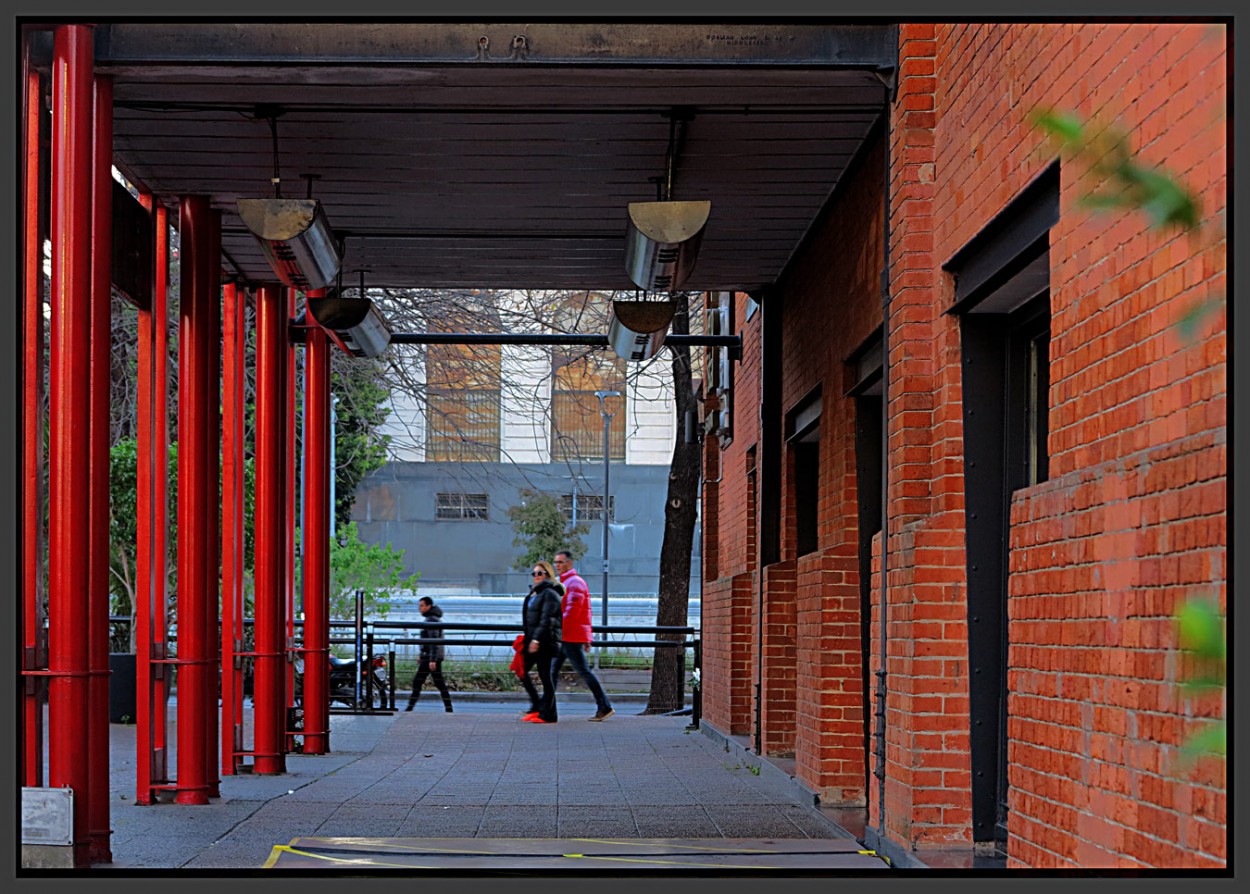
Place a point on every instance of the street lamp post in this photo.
(607, 424)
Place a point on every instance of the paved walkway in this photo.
(479, 773)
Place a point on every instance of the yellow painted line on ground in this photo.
(279, 849)
(412, 847)
(689, 847)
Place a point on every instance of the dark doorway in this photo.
(1002, 295)
(869, 397)
(1006, 378)
(803, 424)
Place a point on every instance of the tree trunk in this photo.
(680, 513)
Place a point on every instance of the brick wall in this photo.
(1132, 519)
(731, 588)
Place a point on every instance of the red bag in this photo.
(518, 663)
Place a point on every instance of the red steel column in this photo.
(98, 496)
(232, 522)
(151, 596)
(212, 498)
(269, 530)
(315, 537)
(69, 460)
(291, 489)
(31, 769)
(195, 228)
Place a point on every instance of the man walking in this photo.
(430, 661)
(577, 633)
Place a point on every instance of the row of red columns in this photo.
(78, 464)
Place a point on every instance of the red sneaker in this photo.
(530, 716)
(536, 719)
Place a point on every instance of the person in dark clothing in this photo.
(541, 618)
(430, 662)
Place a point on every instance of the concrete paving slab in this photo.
(478, 774)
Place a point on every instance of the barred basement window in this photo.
(586, 507)
(461, 506)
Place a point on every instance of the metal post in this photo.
(270, 564)
(232, 524)
(69, 400)
(211, 384)
(31, 343)
(292, 489)
(97, 744)
(607, 424)
(360, 637)
(195, 329)
(315, 537)
(150, 635)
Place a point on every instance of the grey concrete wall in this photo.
(396, 505)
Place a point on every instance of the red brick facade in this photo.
(1129, 521)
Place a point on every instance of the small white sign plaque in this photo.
(47, 816)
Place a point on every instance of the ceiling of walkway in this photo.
(502, 155)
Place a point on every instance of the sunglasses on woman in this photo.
(539, 574)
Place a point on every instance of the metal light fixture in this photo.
(294, 234)
(296, 239)
(637, 329)
(357, 322)
(662, 238)
(662, 242)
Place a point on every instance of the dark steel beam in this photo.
(511, 338)
(671, 44)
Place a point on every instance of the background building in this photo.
(483, 423)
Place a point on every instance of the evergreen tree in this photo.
(542, 530)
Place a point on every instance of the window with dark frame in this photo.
(719, 372)
(463, 425)
(463, 403)
(577, 423)
(461, 507)
(803, 425)
(587, 507)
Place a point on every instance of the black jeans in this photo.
(423, 670)
(576, 655)
(540, 660)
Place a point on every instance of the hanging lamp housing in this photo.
(296, 238)
(637, 329)
(662, 241)
(357, 322)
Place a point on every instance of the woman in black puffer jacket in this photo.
(541, 617)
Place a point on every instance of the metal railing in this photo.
(367, 637)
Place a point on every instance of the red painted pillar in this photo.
(33, 657)
(212, 499)
(195, 330)
(269, 530)
(98, 497)
(152, 511)
(315, 538)
(232, 523)
(291, 490)
(69, 421)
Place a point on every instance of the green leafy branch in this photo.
(1201, 633)
(1131, 184)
